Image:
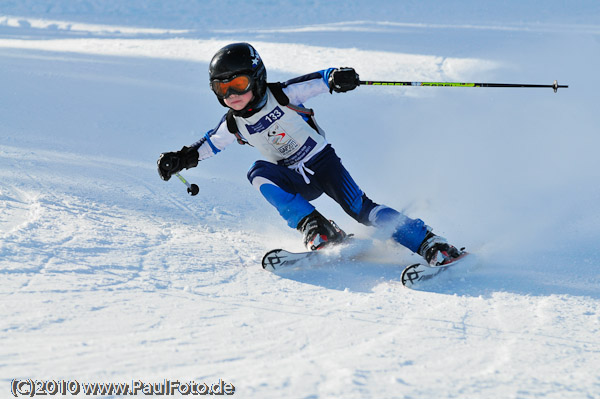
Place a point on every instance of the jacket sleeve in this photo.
(304, 87)
(214, 141)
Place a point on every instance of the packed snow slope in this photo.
(109, 274)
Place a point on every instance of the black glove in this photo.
(342, 80)
(170, 163)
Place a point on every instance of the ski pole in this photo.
(555, 85)
(191, 188)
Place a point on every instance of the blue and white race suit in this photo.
(299, 165)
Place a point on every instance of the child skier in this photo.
(299, 163)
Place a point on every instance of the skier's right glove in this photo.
(170, 163)
(342, 80)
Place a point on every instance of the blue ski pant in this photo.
(290, 194)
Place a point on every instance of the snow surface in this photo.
(109, 274)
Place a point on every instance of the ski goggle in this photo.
(238, 84)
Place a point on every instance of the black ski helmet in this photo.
(236, 59)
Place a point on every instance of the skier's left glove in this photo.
(342, 80)
(170, 163)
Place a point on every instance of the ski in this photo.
(417, 273)
(280, 260)
(277, 260)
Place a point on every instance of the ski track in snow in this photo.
(109, 274)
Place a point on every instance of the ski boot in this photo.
(437, 251)
(319, 232)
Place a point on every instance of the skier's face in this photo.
(238, 102)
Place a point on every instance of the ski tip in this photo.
(270, 260)
(412, 274)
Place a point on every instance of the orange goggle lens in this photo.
(238, 85)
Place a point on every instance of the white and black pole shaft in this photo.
(191, 188)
